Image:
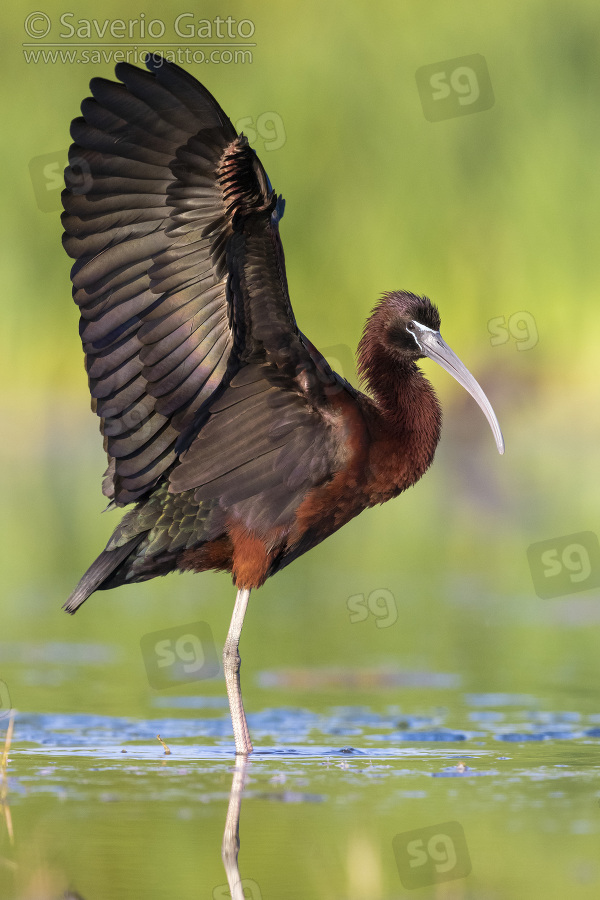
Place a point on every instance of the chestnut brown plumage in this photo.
(239, 446)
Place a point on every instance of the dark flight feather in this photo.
(156, 176)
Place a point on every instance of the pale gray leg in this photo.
(231, 665)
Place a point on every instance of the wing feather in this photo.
(124, 184)
(196, 366)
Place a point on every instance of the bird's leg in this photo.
(231, 665)
(231, 838)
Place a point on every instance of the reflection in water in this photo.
(231, 838)
(418, 771)
(4, 779)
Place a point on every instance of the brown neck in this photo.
(407, 415)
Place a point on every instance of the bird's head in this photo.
(407, 328)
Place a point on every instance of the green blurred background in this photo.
(491, 214)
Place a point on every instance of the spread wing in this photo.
(157, 178)
(180, 280)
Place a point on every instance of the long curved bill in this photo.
(435, 347)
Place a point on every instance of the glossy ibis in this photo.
(239, 446)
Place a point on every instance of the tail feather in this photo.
(99, 572)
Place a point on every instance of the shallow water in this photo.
(491, 796)
(426, 725)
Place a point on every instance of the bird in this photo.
(233, 442)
